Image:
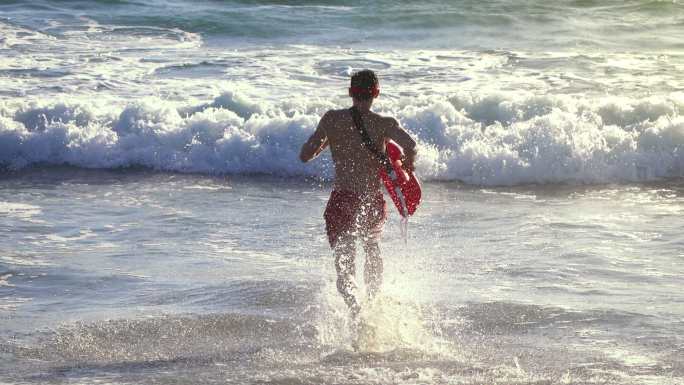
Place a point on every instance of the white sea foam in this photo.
(20, 211)
(489, 139)
(108, 96)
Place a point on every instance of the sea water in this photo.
(156, 225)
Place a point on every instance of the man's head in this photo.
(364, 86)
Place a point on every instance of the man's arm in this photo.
(318, 141)
(399, 135)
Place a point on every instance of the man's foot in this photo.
(365, 336)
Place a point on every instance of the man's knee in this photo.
(371, 247)
(344, 264)
(344, 255)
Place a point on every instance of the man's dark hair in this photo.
(366, 81)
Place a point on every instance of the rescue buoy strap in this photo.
(368, 142)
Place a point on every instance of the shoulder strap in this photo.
(367, 141)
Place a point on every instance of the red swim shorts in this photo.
(350, 212)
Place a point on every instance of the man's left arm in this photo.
(399, 135)
(317, 142)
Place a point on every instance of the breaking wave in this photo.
(484, 139)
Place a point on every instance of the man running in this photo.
(357, 209)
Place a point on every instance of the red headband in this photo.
(374, 90)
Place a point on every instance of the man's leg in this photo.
(372, 272)
(345, 253)
(372, 223)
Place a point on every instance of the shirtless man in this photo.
(357, 209)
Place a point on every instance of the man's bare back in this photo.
(356, 168)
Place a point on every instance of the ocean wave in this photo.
(632, 25)
(496, 138)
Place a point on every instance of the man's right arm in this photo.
(399, 135)
(318, 141)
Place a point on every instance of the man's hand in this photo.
(408, 161)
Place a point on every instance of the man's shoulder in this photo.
(331, 119)
(343, 114)
(386, 121)
(337, 113)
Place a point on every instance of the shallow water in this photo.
(134, 248)
(132, 276)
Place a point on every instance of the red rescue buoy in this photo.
(403, 187)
